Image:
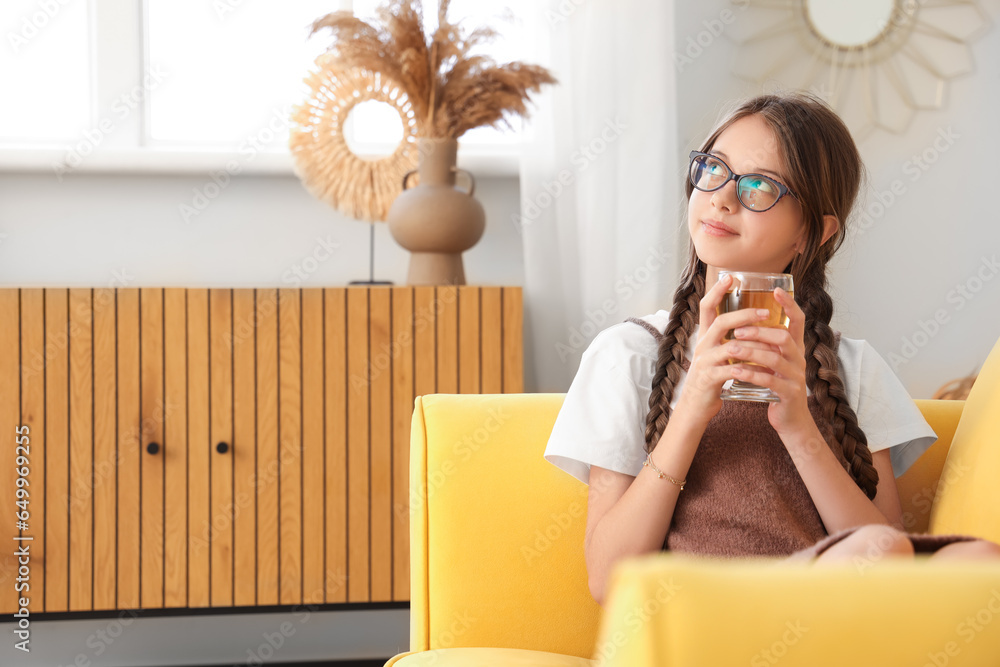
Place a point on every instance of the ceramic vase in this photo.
(436, 220)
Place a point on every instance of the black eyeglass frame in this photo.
(733, 176)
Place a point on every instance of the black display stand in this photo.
(371, 265)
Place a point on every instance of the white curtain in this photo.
(600, 179)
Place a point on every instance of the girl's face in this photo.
(758, 241)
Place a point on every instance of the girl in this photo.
(811, 476)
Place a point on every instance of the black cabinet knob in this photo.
(152, 448)
(222, 448)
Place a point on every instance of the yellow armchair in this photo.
(498, 574)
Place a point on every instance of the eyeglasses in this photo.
(755, 191)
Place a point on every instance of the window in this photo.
(44, 71)
(228, 69)
(175, 84)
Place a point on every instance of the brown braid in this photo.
(673, 349)
(824, 381)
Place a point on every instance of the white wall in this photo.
(891, 280)
(92, 228)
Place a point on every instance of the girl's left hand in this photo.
(784, 358)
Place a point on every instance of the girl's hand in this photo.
(785, 367)
(710, 367)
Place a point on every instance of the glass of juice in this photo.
(754, 290)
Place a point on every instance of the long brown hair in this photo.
(824, 169)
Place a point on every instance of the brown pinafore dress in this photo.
(744, 496)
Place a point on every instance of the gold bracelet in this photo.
(661, 474)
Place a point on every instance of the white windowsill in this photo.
(480, 161)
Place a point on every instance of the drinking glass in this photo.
(754, 290)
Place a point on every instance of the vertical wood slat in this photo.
(10, 422)
(151, 430)
(32, 415)
(469, 342)
(358, 518)
(424, 342)
(267, 446)
(336, 444)
(491, 340)
(244, 450)
(424, 353)
(128, 448)
(81, 506)
(313, 578)
(446, 305)
(175, 448)
(513, 336)
(403, 324)
(379, 381)
(57, 453)
(199, 452)
(220, 529)
(105, 486)
(290, 446)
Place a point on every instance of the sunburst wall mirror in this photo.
(877, 62)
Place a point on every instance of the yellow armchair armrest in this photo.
(671, 610)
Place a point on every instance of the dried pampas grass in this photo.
(451, 90)
(439, 89)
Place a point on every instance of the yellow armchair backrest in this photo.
(967, 500)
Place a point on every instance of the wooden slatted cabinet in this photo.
(230, 447)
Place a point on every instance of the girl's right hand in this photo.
(710, 367)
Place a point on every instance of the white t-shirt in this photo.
(603, 418)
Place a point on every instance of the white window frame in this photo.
(119, 50)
